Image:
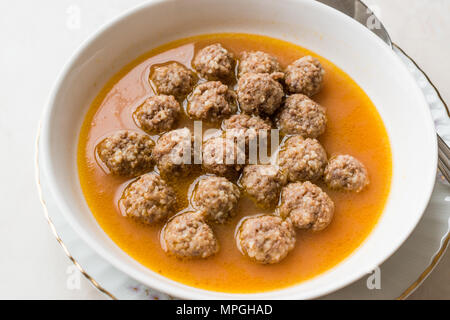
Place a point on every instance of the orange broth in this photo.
(354, 127)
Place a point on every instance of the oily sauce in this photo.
(354, 127)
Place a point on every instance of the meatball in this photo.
(305, 76)
(259, 93)
(211, 101)
(214, 62)
(148, 199)
(222, 156)
(173, 79)
(187, 235)
(301, 115)
(173, 153)
(266, 239)
(126, 153)
(247, 126)
(263, 184)
(259, 62)
(158, 114)
(344, 172)
(302, 159)
(217, 198)
(306, 205)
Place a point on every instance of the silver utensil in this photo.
(444, 156)
(361, 13)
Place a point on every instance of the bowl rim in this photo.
(179, 289)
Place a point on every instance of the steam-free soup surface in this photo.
(354, 127)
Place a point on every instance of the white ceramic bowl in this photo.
(315, 26)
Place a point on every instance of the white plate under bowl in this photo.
(400, 275)
(315, 26)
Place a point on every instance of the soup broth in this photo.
(354, 127)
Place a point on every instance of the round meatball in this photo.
(158, 114)
(305, 76)
(259, 93)
(302, 159)
(258, 62)
(214, 62)
(246, 126)
(222, 156)
(306, 205)
(173, 153)
(187, 235)
(266, 239)
(263, 184)
(301, 115)
(344, 172)
(173, 79)
(211, 101)
(126, 153)
(148, 199)
(217, 198)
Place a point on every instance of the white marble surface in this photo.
(37, 38)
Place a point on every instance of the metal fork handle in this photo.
(444, 158)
